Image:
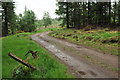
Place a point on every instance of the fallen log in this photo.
(21, 61)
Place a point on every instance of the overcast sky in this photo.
(38, 6)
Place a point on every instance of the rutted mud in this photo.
(79, 66)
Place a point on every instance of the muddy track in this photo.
(74, 56)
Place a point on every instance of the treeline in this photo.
(47, 21)
(11, 23)
(81, 14)
(26, 22)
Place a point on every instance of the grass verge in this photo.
(19, 45)
(103, 40)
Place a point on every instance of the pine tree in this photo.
(110, 13)
(89, 12)
(92, 13)
(8, 15)
(67, 14)
(25, 9)
(119, 13)
(114, 16)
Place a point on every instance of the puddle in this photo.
(92, 73)
(81, 72)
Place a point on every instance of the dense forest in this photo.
(81, 14)
(72, 14)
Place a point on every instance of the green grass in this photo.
(105, 41)
(48, 29)
(19, 45)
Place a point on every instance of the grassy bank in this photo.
(19, 45)
(103, 40)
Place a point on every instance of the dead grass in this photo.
(105, 40)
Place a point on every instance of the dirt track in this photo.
(74, 56)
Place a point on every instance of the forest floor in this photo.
(83, 62)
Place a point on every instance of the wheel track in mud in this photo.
(77, 66)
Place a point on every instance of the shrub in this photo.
(19, 32)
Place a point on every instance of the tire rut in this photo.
(80, 67)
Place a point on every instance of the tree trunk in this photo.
(83, 14)
(105, 17)
(114, 13)
(109, 13)
(67, 14)
(96, 14)
(75, 15)
(12, 30)
(6, 22)
(78, 15)
(119, 13)
(89, 8)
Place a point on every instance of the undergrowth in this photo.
(101, 39)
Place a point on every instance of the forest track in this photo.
(77, 64)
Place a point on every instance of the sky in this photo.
(38, 6)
